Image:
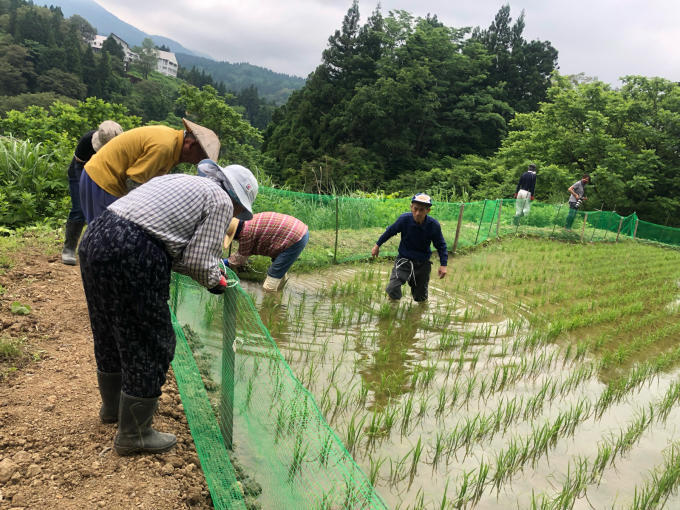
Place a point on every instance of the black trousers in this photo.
(414, 272)
(126, 276)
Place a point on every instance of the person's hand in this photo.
(225, 262)
(515, 195)
(375, 251)
(584, 199)
(442, 271)
(221, 286)
(532, 197)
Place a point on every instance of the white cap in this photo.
(106, 132)
(244, 185)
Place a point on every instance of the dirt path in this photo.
(54, 452)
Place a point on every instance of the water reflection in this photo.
(386, 368)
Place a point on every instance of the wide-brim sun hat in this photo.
(245, 187)
(231, 232)
(207, 139)
(422, 198)
(106, 132)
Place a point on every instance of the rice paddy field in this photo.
(539, 374)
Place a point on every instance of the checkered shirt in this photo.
(189, 215)
(268, 233)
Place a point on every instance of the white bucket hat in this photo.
(236, 180)
(106, 132)
(244, 185)
(207, 139)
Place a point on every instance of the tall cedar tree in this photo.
(523, 68)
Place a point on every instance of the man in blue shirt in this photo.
(413, 264)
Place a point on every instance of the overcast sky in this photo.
(606, 39)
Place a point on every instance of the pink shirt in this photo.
(268, 233)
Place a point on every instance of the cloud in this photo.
(604, 38)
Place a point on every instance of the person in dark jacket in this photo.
(89, 143)
(413, 264)
(525, 193)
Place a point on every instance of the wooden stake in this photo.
(460, 221)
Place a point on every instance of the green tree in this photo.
(16, 69)
(237, 137)
(86, 31)
(523, 68)
(65, 84)
(148, 57)
(626, 139)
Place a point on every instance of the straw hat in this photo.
(106, 131)
(207, 139)
(231, 231)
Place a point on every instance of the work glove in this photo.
(220, 287)
(532, 197)
(515, 195)
(225, 262)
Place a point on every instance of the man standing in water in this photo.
(525, 193)
(413, 264)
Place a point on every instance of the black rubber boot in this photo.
(109, 389)
(135, 434)
(73, 230)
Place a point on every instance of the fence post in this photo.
(500, 210)
(480, 222)
(597, 228)
(335, 250)
(637, 221)
(583, 227)
(488, 234)
(619, 230)
(227, 385)
(557, 215)
(460, 221)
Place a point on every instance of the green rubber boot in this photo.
(135, 434)
(109, 389)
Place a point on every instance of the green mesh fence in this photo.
(279, 436)
(343, 229)
(246, 395)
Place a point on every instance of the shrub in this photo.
(33, 184)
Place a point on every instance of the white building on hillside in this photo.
(129, 55)
(167, 63)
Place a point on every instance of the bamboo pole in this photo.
(557, 215)
(337, 226)
(460, 221)
(500, 210)
(619, 230)
(481, 219)
(226, 418)
(488, 234)
(637, 221)
(583, 227)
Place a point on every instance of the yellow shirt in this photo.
(139, 154)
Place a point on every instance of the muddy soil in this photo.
(54, 452)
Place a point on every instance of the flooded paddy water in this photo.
(525, 381)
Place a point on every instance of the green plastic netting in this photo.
(278, 433)
(238, 389)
